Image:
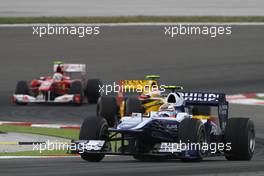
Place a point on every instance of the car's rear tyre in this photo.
(22, 88)
(93, 90)
(201, 110)
(77, 90)
(193, 131)
(93, 128)
(107, 108)
(240, 133)
(133, 105)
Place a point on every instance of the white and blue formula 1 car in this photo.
(172, 132)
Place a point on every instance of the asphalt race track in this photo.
(131, 8)
(126, 166)
(231, 64)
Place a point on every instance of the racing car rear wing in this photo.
(133, 88)
(209, 99)
(71, 68)
(202, 98)
(135, 83)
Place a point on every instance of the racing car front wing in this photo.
(68, 98)
(162, 149)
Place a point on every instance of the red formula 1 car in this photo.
(59, 88)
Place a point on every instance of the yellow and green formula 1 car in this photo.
(141, 96)
(150, 99)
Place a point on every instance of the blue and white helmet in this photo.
(174, 103)
(176, 99)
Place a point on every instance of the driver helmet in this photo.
(57, 77)
(174, 104)
(59, 69)
(154, 91)
(175, 98)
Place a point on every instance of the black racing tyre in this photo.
(144, 146)
(92, 91)
(93, 128)
(193, 131)
(240, 134)
(76, 89)
(133, 105)
(201, 110)
(22, 89)
(107, 108)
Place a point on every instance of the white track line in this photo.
(131, 24)
(30, 124)
(35, 157)
(38, 157)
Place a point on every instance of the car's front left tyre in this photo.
(93, 128)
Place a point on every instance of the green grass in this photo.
(126, 19)
(37, 153)
(63, 133)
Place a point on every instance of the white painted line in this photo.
(260, 94)
(46, 125)
(247, 99)
(38, 157)
(35, 157)
(131, 24)
(10, 122)
(232, 97)
(30, 124)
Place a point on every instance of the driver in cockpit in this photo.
(174, 104)
(58, 75)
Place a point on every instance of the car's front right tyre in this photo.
(193, 131)
(22, 88)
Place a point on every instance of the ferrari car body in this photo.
(59, 88)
